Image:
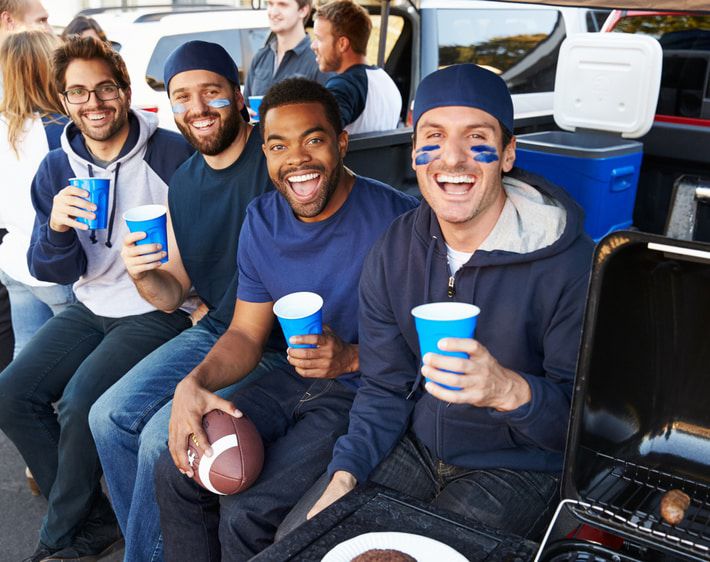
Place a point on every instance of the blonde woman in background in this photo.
(31, 123)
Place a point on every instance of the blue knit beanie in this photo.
(466, 85)
(202, 55)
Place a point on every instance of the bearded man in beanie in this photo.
(512, 244)
(207, 200)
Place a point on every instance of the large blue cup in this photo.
(300, 314)
(438, 320)
(98, 189)
(151, 219)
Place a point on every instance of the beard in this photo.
(229, 127)
(119, 121)
(314, 208)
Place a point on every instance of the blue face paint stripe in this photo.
(218, 103)
(486, 157)
(428, 148)
(484, 153)
(423, 159)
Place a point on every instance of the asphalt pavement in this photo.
(21, 513)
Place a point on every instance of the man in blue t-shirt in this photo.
(311, 235)
(207, 200)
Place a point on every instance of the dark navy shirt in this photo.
(279, 254)
(207, 208)
(299, 61)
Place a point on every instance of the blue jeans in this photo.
(515, 501)
(130, 427)
(74, 358)
(31, 307)
(299, 420)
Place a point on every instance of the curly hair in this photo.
(301, 90)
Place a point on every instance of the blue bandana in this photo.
(465, 85)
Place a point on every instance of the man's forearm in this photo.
(161, 289)
(233, 357)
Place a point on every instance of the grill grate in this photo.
(629, 495)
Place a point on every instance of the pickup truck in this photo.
(676, 145)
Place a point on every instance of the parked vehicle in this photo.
(680, 136)
(518, 41)
(675, 146)
(146, 36)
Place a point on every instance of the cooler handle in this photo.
(622, 178)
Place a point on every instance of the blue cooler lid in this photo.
(608, 82)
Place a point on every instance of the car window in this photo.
(677, 31)
(241, 44)
(520, 45)
(395, 25)
(685, 40)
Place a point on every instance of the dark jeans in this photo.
(516, 501)
(72, 360)
(299, 420)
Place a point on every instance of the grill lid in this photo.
(640, 422)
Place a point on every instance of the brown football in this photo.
(237, 454)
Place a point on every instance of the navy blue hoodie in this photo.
(532, 306)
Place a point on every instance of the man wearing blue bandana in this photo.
(510, 243)
(207, 201)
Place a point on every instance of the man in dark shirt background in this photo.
(288, 52)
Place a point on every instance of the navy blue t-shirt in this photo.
(279, 254)
(207, 207)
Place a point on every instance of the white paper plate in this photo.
(421, 548)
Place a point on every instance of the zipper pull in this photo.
(452, 290)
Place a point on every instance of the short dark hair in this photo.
(301, 90)
(350, 20)
(88, 48)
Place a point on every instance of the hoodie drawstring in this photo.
(113, 205)
(427, 278)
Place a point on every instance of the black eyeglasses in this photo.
(105, 92)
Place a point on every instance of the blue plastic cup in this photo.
(439, 320)
(151, 219)
(98, 189)
(254, 104)
(300, 314)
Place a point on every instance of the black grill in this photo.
(627, 497)
(640, 423)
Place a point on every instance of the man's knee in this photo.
(153, 439)
(73, 410)
(101, 420)
(13, 398)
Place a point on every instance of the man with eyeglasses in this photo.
(82, 351)
(208, 199)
